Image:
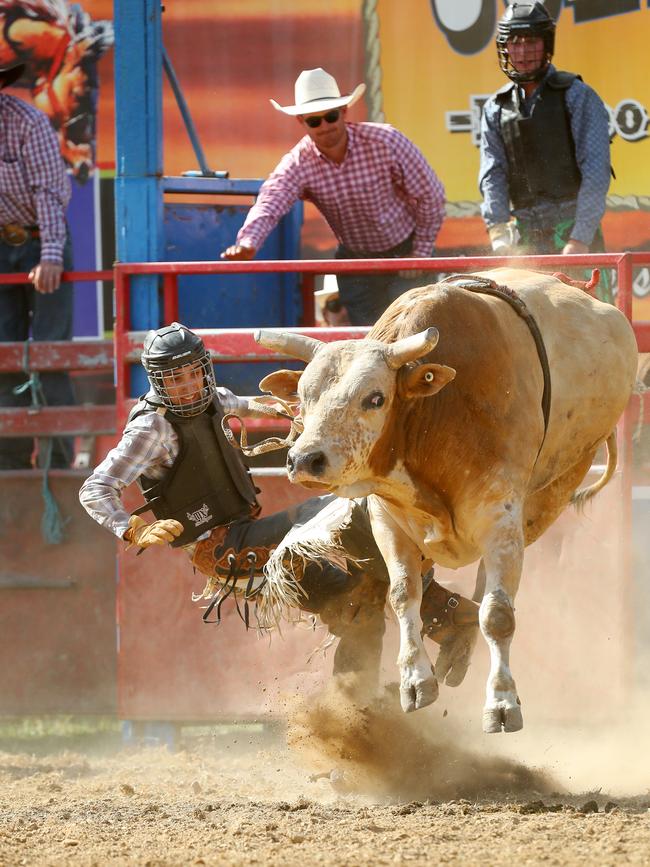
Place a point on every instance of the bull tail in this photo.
(580, 498)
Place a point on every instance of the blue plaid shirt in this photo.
(590, 129)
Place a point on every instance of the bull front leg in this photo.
(503, 560)
(418, 684)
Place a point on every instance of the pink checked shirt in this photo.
(382, 191)
(34, 186)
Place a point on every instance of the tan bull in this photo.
(444, 418)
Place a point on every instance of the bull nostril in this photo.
(316, 463)
(311, 463)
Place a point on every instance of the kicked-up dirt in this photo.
(334, 784)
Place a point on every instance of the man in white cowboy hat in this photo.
(373, 186)
(34, 239)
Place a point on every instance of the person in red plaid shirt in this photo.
(373, 186)
(34, 193)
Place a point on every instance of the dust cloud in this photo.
(375, 749)
(610, 757)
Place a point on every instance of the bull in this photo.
(469, 416)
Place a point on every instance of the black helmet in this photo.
(525, 19)
(168, 350)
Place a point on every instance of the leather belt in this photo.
(397, 252)
(16, 235)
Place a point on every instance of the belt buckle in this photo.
(14, 234)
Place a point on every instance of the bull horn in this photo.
(411, 348)
(292, 345)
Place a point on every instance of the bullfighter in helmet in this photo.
(545, 157)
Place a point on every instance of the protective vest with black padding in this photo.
(208, 485)
(540, 148)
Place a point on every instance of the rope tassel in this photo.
(52, 521)
(270, 444)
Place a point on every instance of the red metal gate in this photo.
(198, 672)
(170, 666)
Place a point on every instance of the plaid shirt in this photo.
(382, 191)
(34, 186)
(149, 447)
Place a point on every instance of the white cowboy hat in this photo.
(317, 90)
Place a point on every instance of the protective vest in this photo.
(540, 148)
(208, 484)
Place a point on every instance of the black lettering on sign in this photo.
(631, 120)
(592, 10)
(554, 7)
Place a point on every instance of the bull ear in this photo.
(282, 384)
(423, 380)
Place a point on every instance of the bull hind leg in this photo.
(503, 558)
(543, 507)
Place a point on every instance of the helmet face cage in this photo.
(525, 19)
(188, 389)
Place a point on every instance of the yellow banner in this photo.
(432, 64)
(433, 92)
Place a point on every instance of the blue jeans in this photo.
(366, 296)
(23, 310)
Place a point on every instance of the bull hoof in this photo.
(418, 696)
(507, 719)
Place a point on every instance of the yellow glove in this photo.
(503, 238)
(157, 533)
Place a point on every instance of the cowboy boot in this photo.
(451, 621)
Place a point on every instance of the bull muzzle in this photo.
(303, 466)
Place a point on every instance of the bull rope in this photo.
(485, 286)
(270, 444)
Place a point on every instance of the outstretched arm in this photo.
(279, 192)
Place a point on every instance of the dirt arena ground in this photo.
(335, 784)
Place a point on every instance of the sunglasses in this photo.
(330, 117)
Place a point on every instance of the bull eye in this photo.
(428, 376)
(375, 400)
